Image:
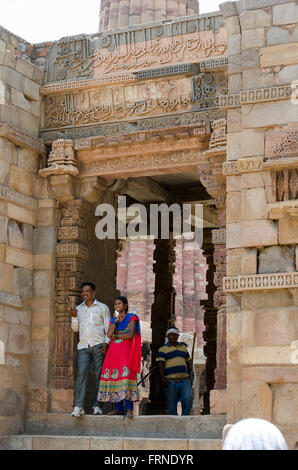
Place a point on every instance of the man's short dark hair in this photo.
(90, 284)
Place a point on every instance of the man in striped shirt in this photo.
(174, 365)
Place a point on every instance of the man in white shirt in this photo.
(91, 318)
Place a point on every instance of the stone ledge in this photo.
(21, 138)
(144, 427)
(31, 442)
(260, 282)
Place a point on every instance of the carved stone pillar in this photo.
(75, 196)
(220, 256)
(214, 181)
(72, 255)
(210, 320)
(162, 316)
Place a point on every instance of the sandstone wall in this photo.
(262, 228)
(27, 238)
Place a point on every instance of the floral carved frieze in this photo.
(139, 163)
(282, 143)
(260, 282)
(131, 126)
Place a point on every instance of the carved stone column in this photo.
(162, 316)
(72, 255)
(220, 256)
(210, 320)
(75, 196)
(214, 181)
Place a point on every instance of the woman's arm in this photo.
(132, 332)
(112, 328)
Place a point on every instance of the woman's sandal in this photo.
(129, 414)
(115, 412)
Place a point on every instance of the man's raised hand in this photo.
(73, 312)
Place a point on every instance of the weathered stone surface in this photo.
(43, 282)
(234, 44)
(275, 327)
(285, 404)
(28, 237)
(10, 299)
(15, 235)
(11, 403)
(6, 278)
(21, 258)
(252, 143)
(233, 207)
(234, 120)
(253, 38)
(285, 14)
(288, 231)
(254, 18)
(287, 75)
(282, 54)
(218, 401)
(60, 443)
(234, 236)
(21, 180)
(13, 315)
(38, 372)
(3, 229)
(249, 261)
(265, 355)
(234, 329)
(268, 114)
(45, 240)
(277, 35)
(234, 146)
(254, 301)
(277, 259)
(254, 205)
(252, 79)
(234, 257)
(18, 340)
(4, 171)
(23, 282)
(21, 214)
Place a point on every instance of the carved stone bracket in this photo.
(61, 160)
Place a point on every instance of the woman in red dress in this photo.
(118, 383)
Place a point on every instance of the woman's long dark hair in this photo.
(124, 300)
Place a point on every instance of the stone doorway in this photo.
(96, 260)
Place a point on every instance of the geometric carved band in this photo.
(255, 96)
(260, 282)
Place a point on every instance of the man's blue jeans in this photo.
(179, 391)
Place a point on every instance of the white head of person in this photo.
(254, 434)
(172, 336)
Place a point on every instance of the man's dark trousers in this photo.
(85, 357)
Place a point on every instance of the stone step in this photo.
(144, 427)
(36, 442)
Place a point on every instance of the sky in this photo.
(48, 20)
